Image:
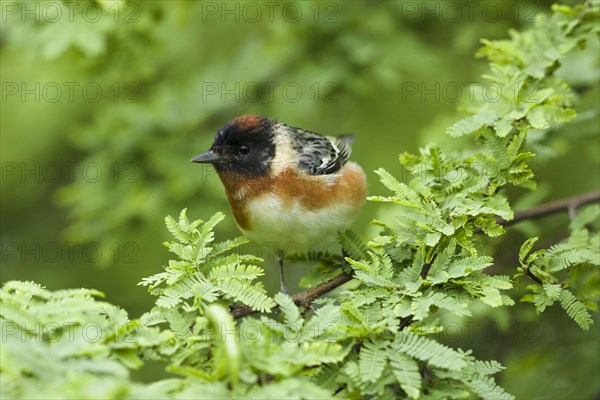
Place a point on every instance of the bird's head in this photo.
(243, 146)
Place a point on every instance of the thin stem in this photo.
(425, 270)
(302, 299)
(533, 277)
(570, 205)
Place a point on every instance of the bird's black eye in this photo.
(243, 149)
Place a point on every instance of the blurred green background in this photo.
(104, 103)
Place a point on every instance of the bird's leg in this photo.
(283, 288)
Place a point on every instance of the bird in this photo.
(288, 188)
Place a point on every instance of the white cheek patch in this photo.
(284, 153)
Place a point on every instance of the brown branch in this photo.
(570, 205)
(302, 299)
(425, 269)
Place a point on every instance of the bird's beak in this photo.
(208, 157)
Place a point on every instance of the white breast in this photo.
(295, 229)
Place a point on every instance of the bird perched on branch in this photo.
(288, 188)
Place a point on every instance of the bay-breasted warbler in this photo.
(286, 185)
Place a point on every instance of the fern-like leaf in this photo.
(237, 271)
(486, 388)
(488, 367)
(289, 310)
(406, 371)
(471, 124)
(253, 296)
(575, 309)
(353, 245)
(372, 361)
(428, 350)
(403, 194)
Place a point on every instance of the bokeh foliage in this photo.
(156, 65)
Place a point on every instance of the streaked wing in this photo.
(322, 155)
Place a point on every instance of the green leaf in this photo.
(253, 296)
(353, 245)
(291, 314)
(372, 360)
(420, 305)
(185, 288)
(236, 271)
(491, 296)
(468, 265)
(575, 309)
(471, 124)
(503, 126)
(403, 194)
(406, 371)
(486, 388)
(173, 227)
(228, 358)
(553, 291)
(526, 248)
(428, 350)
(537, 118)
(488, 367)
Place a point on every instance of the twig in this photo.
(570, 205)
(425, 269)
(302, 299)
(533, 277)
